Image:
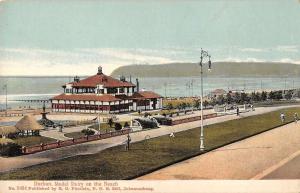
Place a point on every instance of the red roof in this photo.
(145, 95)
(102, 79)
(86, 97)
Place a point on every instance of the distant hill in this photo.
(218, 69)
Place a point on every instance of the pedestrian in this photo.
(252, 107)
(237, 111)
(282, 117)
(172, 135)
(296, 118)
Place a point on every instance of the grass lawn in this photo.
(74, 135)
(276, 103)
(33, 140)
(104, 127)
(116, 163)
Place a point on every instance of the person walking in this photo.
(237, 111)
(282, 117)
(296, 118)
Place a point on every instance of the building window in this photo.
(112, 90)
(100, 91)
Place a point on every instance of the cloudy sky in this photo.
(73, 37)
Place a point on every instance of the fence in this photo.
(58, 144)
(191, 119)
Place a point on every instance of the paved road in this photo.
(253, 158)
(289, 169)
(96, 146)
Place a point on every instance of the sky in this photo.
(74, 37)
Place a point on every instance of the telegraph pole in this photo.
(5, 87)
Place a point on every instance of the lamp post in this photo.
(204, 54)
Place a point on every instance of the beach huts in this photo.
(104, 94)
(24, 127)
(8, 131)
(28, 125)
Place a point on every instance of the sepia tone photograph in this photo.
(95, 94)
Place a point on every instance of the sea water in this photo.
(33, 88)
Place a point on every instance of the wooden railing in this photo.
(58, 144)
(191, 119)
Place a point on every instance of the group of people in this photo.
(282, 117)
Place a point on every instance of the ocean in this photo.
(24, 88)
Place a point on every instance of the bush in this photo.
(118, 126)
(147, 123)
(10, 149)
(163, 120)
(147, 114)
(88, 132)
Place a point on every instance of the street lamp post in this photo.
(204, 54)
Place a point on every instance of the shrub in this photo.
(147, 123)
(147, 114)
(118, 126)
(163, 120)
(10, 149)
(88, 132)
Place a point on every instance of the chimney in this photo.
(100, 70)
(76, 79)
(122, 78)
(137, 85)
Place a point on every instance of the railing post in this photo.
(42, 146)
(23, 149)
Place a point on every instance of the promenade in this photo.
(97, 146)
(271, 155)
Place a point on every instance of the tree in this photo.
(220, 100)
(183, 105)
(169, 106)
(237, 97)
(288, 95)
(197, 104)
(278, 95)
(264, 96)
(228, 98)
(244, 98)
(255, 96)
(188, 105)
(205, 103)
(272, 95)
